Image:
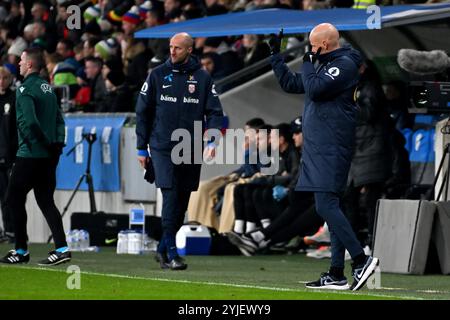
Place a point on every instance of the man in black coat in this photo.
(8, 146)
(176, 95)
(329, 120)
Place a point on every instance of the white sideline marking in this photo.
(227, 284)
(402, 289)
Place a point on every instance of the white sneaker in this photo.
(321, 253)
(322, 236)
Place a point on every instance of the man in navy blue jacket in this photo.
(175, 95)
(329, 120)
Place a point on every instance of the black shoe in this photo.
(363, 272)
(14, 258)
(244, 243)
(54, 258)
(162, 260)
(177, 263)
(327, 281)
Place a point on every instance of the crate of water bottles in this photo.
(78, 240)
(134, 242)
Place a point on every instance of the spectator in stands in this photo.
(205, 204)
(8, 148)
(89, 47)
(158, 47)
(134, 51)
(298, 219)
(51, 60)
(41, 14)
(40, 36)
(171, 8)
(267, 207)
(93, 67)
(246, 218)
(119, 97)
(229, 58)
(252, 50)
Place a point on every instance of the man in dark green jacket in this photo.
(41, 133)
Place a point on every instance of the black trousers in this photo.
(39, 175)
(8, 219)
(298, 219)
(244, 208)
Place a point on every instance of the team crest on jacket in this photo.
(191, 88)
(46, 88)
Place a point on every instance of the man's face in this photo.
(276, 140)
(170, 5)
(91, 70)
(128, 28)
(208, 65)
(179, 50)
(5, 81)
(151, 20)
(61, 49)
(88, 51)
(263, 139)
(298, 139)
(37, 12)
(24, 65)
(317, 43)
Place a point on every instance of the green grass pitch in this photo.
(106, 275)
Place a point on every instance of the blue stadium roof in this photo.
(295, 21)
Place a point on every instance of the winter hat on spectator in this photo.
(64, 74)
(106, 48)
(296, 125)
(91, 13)
(11, 68)
(132, 16)
(144, 8)
(116, 77)
(17, 47)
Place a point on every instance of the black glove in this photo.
(56, 148)
(311, 56)
(149, 175)
(275, 42)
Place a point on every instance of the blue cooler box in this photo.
(193, 240)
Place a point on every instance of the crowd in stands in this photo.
(101, 65)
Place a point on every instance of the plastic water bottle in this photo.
(69, 239)
(122, 242)
(82, 240)
(135, 243)
(75, 240)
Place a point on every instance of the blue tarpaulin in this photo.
(296, 21)
(105, 153)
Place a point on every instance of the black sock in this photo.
(359, 260)
(337, 272)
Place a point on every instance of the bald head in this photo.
(324, 36)
(181, 46)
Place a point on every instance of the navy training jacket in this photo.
(329, 116)
(174, 97)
